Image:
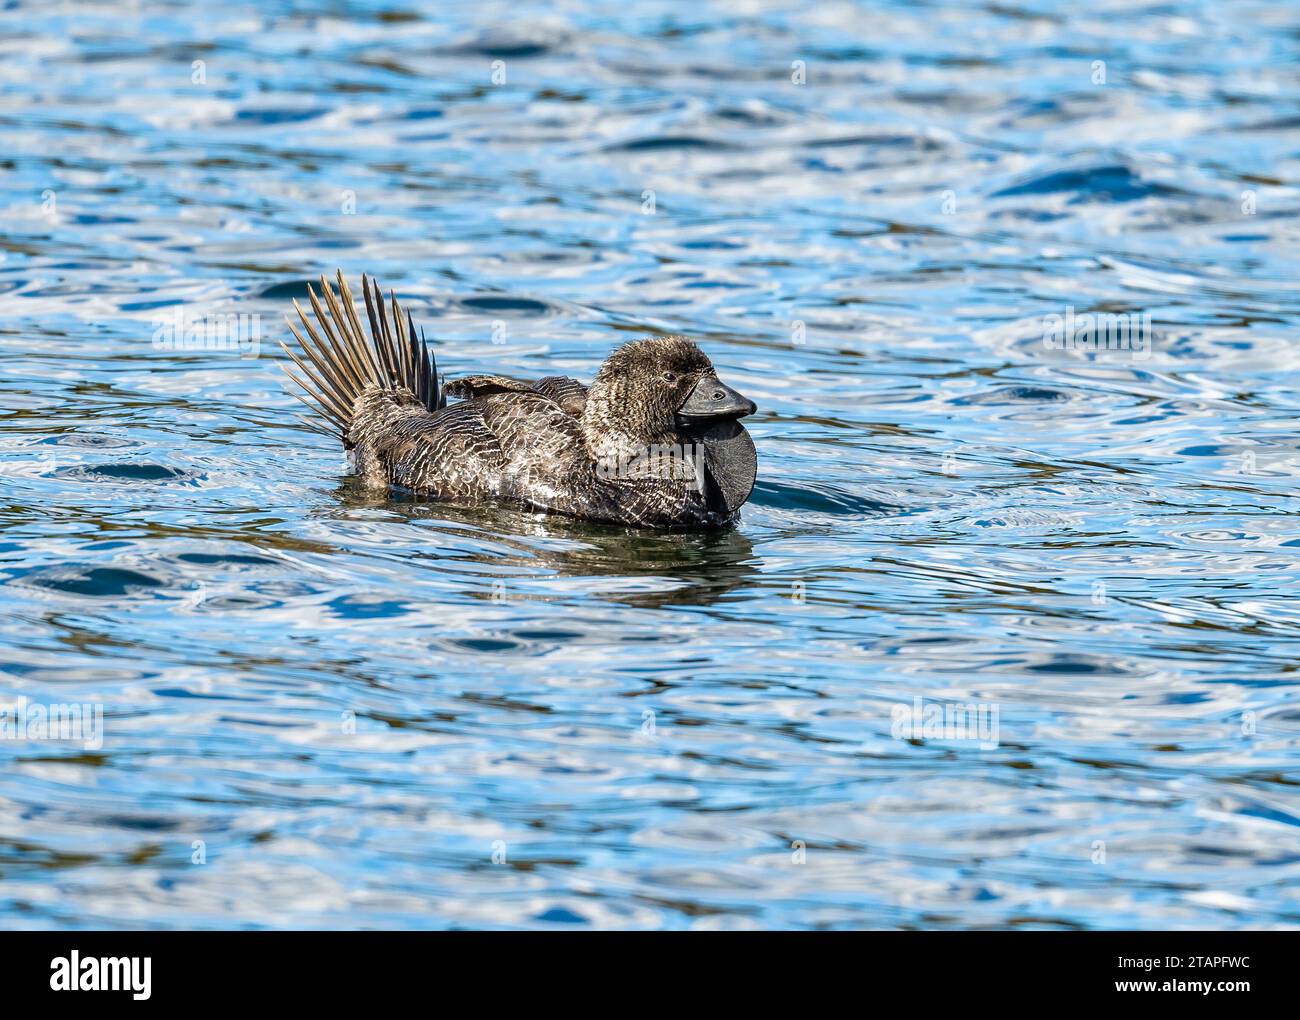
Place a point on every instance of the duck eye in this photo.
(669, 377)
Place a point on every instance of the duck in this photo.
(654, 441)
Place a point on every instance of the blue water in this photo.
(326, 708)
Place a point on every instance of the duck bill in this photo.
(713, 400)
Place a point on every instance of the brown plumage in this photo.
(655, 440)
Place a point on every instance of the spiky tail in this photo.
(347, 363)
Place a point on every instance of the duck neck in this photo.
(606, 444)
(611, 438)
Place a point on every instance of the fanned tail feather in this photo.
(342, 362)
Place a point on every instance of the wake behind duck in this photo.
(654, 441)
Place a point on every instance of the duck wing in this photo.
(470, 386)
(568, 393)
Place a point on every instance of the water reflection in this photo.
(696, 567)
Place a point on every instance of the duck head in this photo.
(664, 390)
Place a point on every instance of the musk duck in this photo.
(654, 441)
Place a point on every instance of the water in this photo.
(323, 708)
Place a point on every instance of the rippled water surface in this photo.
(326, 708)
